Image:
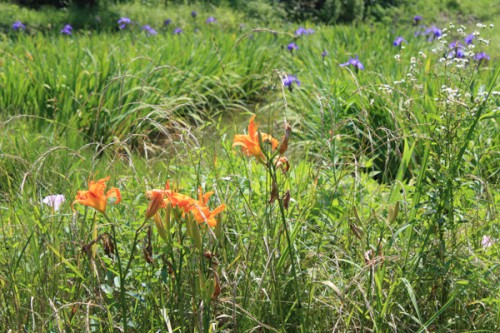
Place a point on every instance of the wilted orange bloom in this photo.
(95, 196)
(283, 163)
(250, 143)
(157, 202)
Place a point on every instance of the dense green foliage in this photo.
(392, 222)
(324, 11)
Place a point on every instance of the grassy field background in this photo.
(387, 219)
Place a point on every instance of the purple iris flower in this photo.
(167, 22)
(18, 25)
(211, 19)
(303, 31)
(324, 54)
(123, 22)
(194, 14)
(398, 41)
(300, 31)
(354, 62)
(458, 49)
(177, 31)
(289, 80)
(55, 201)
(469, 39)
(417, 19)
(291, 47)
(149, 30)
(67, 29)
(434, 32)
(482, 57)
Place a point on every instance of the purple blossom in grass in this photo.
(469, 39)
(487, 241)
(291, 47)
(434, 32)
(18, 25)
(67, 30)
(150, 31)
(55, 201)
(300, 31)
(456, 45)
(211, 19)
(354, 62)
(177, 31)
(303, 31)
(123, 22)
(289, 80)
(324, 54)
(417, 19)
(398, 41)
(458, 50)
(194, 14)
(167, 22)
(482, 57)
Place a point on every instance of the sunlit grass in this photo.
(393, 180)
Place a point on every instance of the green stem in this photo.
(123, 273)
(272, 172)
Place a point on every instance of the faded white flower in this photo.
(487, 241)
(55, 201)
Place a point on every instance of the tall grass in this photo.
(393, 182)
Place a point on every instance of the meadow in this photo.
(246, 175)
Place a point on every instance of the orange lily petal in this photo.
(157, 202)
(95, 197)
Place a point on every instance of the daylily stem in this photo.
(272, 172)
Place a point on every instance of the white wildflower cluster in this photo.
(385, 88)
(451, 94)
(483, 41)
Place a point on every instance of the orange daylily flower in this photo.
(157, 202)
(250, 143)
(180, 200)
(95, 196)
(202, 213)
